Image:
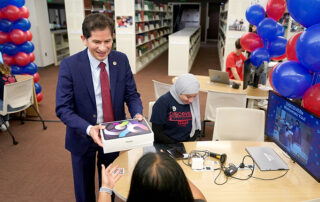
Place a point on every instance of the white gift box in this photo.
(126, 134)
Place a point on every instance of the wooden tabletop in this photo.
(252, 93)
(296, 185)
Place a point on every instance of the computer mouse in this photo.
(235, 85)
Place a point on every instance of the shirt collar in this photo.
(94, 62)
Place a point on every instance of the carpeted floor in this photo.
(39, 167)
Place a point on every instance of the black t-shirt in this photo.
(176, 118)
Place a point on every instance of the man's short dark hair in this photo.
(237, 43)
(96, 21)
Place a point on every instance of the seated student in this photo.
(156, 177)
(235, 61)
(6, 78)
(176, 114)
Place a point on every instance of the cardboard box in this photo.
(126, 134)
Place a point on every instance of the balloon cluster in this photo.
(294, 78)
(15, 40)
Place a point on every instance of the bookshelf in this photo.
(60, 45)
(232, 25)
(183, 49)
(142, 29)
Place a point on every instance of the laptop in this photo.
(219, 76)
(266, 158)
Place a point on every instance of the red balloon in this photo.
(29, 35)
(39, 97)
(276, 8)
(4, 37)
(24, 12)
(22, 59)
(36, 77)
(18, 36)
(280, 57)
(291, 47)
(9, 60)
(11, 13)
(311, 99)
(270, 76)
(31, 57)
(251, 41)
(1, 15)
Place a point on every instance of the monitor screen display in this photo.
(296, 131)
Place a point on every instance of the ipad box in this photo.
(125, 135)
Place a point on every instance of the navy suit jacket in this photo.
(75, 98)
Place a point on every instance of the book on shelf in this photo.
(126, 134)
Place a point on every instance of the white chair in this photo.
(17, 97)
(234, 123)
(221, 99)
(160, 88)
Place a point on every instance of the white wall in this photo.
(75, 16)
(40, 30)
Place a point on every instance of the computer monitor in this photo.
(296, 131)
(253, 75)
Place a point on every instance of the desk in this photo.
(296, 185)
(252, 93)
(30, 110)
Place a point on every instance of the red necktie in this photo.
(105, 94)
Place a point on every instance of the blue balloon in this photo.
(1, 47)
(5, 25)
(16, 69)
(26, 47)
(307, 48)
(30, 68)
(266, 44)
(22, 24)
(280, 30)
(10, 49)
(258, 56)
(267, 28)
(305, 12)
(277, 46)
(37, 88)
(3, 3)
(291, 79)
(17, 3)
(255, 14)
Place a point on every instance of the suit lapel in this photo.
(113, 74)
(85, 71)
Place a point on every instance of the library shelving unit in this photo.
(232, 25)
(98, 6)
(183, 49)
(60, 45)
(145, 34)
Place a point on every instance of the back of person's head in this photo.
(237, 44)
(96, 21)
(158, 177)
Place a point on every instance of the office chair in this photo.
(17, 97)
(221, 99)
(233, 123)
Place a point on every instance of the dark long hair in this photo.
(158, 177)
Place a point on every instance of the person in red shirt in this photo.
(235, 61)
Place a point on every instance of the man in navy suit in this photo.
(80, 100)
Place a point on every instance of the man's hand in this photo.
(138, 116)
(109, 177)
(95, 134)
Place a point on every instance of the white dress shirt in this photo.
(95, 72)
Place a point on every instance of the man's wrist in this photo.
(106, 190)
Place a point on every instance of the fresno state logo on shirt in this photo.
(181, 117)
(239, 63)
